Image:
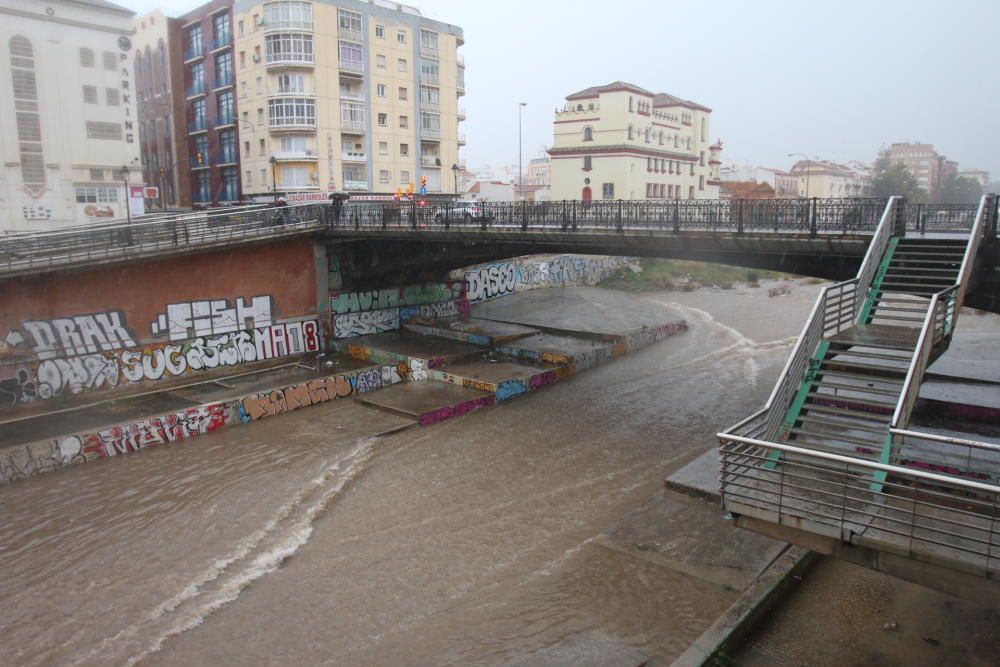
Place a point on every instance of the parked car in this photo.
(465, 211)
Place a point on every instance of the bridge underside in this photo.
(401, 256)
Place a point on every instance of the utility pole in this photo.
(274, 178)
(128, 199)
(520, 153)
(808, 169)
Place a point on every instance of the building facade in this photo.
(929, 168)
(69, 127)
(346, 95)
(538, 171)
(159, 90)
(621, 141)
(209, 87)
(783, 183)
(980, 176)
(822, 178)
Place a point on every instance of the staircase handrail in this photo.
(824, 319)
(940, 321)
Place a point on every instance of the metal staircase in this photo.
(830, 462)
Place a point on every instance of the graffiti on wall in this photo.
(190, 319)
(381, 310)
(370, 322)
(70, 336)
(94, 372)
(504, 278)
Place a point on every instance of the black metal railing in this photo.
(21, 252)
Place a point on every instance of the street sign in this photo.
(423, 190)
(152, 192)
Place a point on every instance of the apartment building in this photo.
(980, 176)
(159, 91)
(538, 171)
(823, 178)
(346, 95)
(929, 168)
(620, 141)
(69, 123)
(209, 85)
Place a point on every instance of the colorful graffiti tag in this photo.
(499, 279)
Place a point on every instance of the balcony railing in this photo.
(352, 97)
(352, 66)
(195, 89)
(226, 157)
(356, 126)
(306, 155)
(224, 119)
(430, 79)
(291, 122)
(461, 60)
(429, 105)
(193, 53)
(353, 156)
(198, 125)
(430, 160)
(355, 185)
(221, 42)
(461, 139)
(351, 35)
(290, 60)
(461, 113)
(301, 26)
(429, 51)
(195, 163)
(223, 80)
(430, 133)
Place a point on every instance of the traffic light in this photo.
(399, 194)
(423, 180)
(409, 189)
(200, 157)
(423, 202)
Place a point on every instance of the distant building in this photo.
(159, 89)
(980, 176)
(822, 178)
(490, 191)
(783, 183)
(531, 192)
(745, 190)
(69, 119)
(928, 168)
(538, 171)
(620, 141)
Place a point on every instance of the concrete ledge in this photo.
(732, 628)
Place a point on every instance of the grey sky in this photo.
(834, 80)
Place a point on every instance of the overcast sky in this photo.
(830, 79)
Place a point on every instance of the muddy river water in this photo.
(306, 539)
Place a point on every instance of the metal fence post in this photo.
(618, 223)
(574, 215)
(565, 220)
(447, 215)
(677, 217)
(921, 219)
(739, 216)
(812, 216)
(524, 215)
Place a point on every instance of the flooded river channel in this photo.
(313, 539)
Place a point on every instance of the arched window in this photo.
(631, 107)
(588, 133)
(579, 107)
(631, 132)
(24, 90)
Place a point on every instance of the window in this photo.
(197, 78)
(352, 115)
(294, 177)
(402, 94)
(608, 190)
(380, 61)
(631, 134)
(96, 195)
(430, 96)
(260, 116)
(110, 61)
(701, 182)
(97, 174)
(202, 187)
(289, 47)
(249, 176)
(90, 94)
(430, 123)
(631, 106)
(404, 150)
(112, 97)
(293, 144)
(108, 131)
(239, 27)
(401, 36)
(383, 120)
(349, 22)
(263, 176)
(291, 83)
(87, 57)
(380, 31)
(201, 150)
(351, 57)
(224, 106)
(380, 90)
(703, 129)
(199, 113)
(587, 163)
(404, 122)
(429, 42)
(588, 134)
(401, 64)
(193, 40)
(227, 145)
(690, 192)
(383, 148)
(260, 85)
(291, 111)
(243, 59)
(221, 33)
(293, 15)
(701, 160)
(224, 69)
(661, 137)
(246, 147)
(404, 177)
(430, 72)
(383, 176)
(647, 135)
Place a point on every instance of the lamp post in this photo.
(274, 179)
(808, 169)
(128, 200)
(520, 154)
(454, 171)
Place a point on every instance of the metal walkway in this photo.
(830, 462)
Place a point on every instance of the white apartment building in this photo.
(68, 125)
(620, 141)
(346, 95)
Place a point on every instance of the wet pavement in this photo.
(307, 539)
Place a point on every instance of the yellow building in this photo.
(621, 141)
(356, 96)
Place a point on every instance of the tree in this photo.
(959, 190)
(893, 178)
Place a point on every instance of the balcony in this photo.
(430, 79)
(429, 105)
(353, 156)
(193, 53)
(221, 42)
(355, 185)
(460, 85)
(461, 113)
(461, 139)
(195, 163)
(353, 126)
(351, 35)
(223, 80)
(195, 89)
(198, 125)
(352, 97)
(226, 158)
(429, 51)
(352, 66)
(430, 133)
(290, 60)
(224, 120)
(297, 26)
(461, 60)
(297, 187)
(296, 156)
(432, 161)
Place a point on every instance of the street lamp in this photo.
(454, 171)
(808, 169)
(128, 202)
(520, 154)
(274, 179)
